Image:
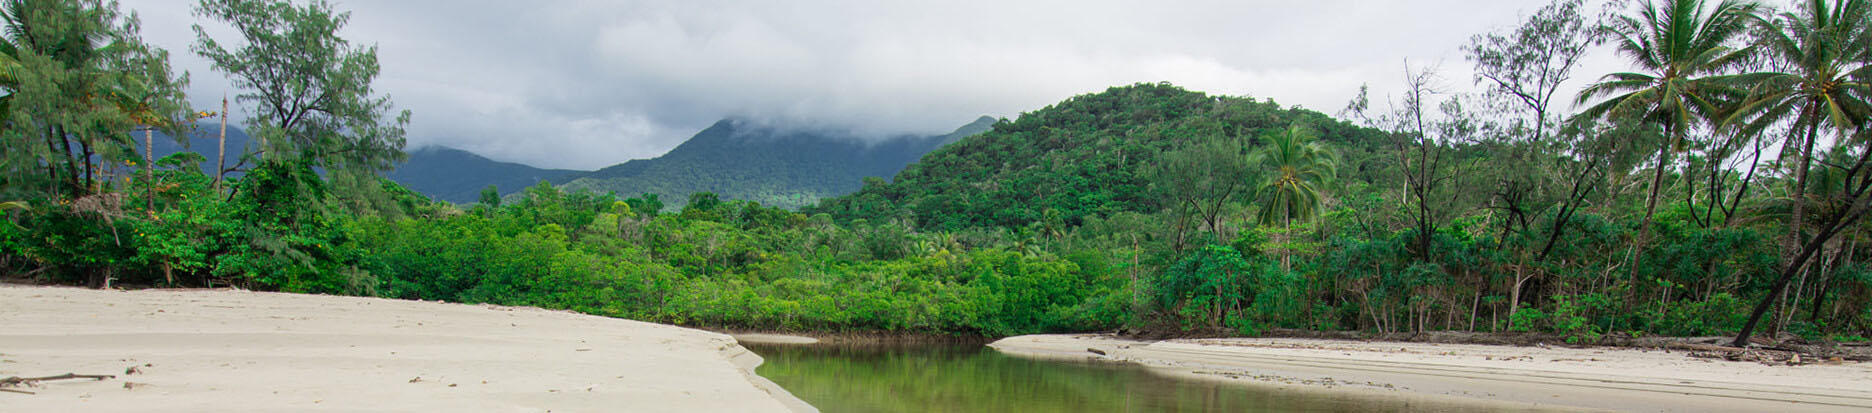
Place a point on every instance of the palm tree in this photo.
(1681, 49)
(1821, 49)
(1296, 166)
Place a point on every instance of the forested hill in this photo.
(740, 161)
(1081, 157)
(458, 176)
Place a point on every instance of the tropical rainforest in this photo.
(1716, 186)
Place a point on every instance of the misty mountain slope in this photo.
(787, 169)
(458, 176)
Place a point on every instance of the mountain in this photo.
(458, 176)
(442, 173)
(732, 158)
(203, 140)
(785, 168)
(1080, 158)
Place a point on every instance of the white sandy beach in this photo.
(239, 351)
(1536, 377)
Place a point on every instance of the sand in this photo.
(767, 338)
(240, 351)
(1536, 377)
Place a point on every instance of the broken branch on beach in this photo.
(17, 381)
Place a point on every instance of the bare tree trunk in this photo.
(90, 169)
(1825, 286)
(1789, 307)
(149, 169)
(221, 152)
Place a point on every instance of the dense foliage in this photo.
(1144, 206)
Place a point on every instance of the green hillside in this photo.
(1081, 157)
(782, 168)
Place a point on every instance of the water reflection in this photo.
(973, 378)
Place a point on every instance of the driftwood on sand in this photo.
(8, 384)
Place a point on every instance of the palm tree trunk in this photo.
(1657, 182)
(1805, 158)
(1286, 244)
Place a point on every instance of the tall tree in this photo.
(1199, 182)
(1681, 49)
(74, 71)
(1530, 63)
(1823, 47)
(1295, 168)
(1423, 126)
(1821, 51)
(1525, 67)
(311, 89)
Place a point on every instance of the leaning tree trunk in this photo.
(1858, 192)
(1787, 276)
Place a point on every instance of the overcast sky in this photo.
(586, 84)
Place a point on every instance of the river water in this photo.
(974, 378)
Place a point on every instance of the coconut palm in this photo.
(1821, 49)
(1296, 166)
(1681, 48)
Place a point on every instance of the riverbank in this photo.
(228, 350)
(1533, 377)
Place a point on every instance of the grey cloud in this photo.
(586, 84)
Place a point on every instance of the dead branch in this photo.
(17, 381)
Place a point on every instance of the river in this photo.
(974, 378)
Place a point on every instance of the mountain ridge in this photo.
(458, 176)
(739, 160)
